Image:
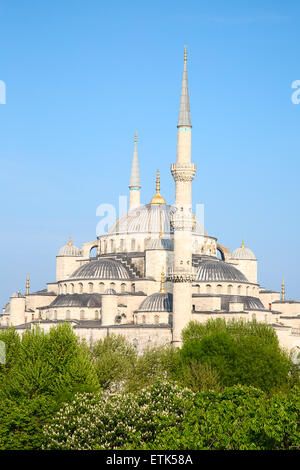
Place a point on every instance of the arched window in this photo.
(253, 316)
(144, 319)
(101, 287)
(93, 252)
(72, 288)
(65, 288)
(156, 319)
(219, 289)
(132, 288)
(97, 316)
(55, 315)
(229, 289)
(105, 246)
(208, 288)
(112, 285)
(80, 288)
(122, 244)
(198, 288)
(112, 246)
(91, 287)
(247, 290)
(82, 315)
(68, 315)
(133, 244)
(239, 290)
(123, 287)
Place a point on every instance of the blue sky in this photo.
(82, 76)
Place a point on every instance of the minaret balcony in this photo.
(183, 171)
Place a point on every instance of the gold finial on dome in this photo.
(157, 199)
(185, 53)
(162, 282)
(70, 241)
(135, 137)
(243, 244)
(283, 289)
(27, 284)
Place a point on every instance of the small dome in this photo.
(69, 250)
(243, 253)
(17, 294)
(110, 291)
(159, 244)
(218, 271)
(77, 300)
(158, 302)
(105, 268)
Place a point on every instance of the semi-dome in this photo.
(218, 271)
(159, 244)
(77, 300)
(110, 291)
(243, 253)
(69, 250)
(105, 268)
(150, 218)
(158, 302)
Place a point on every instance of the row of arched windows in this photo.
(94, 287)
(109, 246)
(229, 289)
(68, 316)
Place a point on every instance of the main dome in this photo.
(158, 302)
(150, 218)
(102, 269)
(218, 271)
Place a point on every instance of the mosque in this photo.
(153, 271)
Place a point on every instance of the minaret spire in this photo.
(135, 183)
(184, 108)
(27, 284)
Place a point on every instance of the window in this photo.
(229, 289)
(82, 315)
(91, 287)
(208, 288)
(144, 319)
(72, 288)
(112, 285)
(253, 316)
(156, 319)
(219, 289)
(55, 315)
(123, 287)
(80, 288)
(65, 289)
(112, 246)
(101, 287)
(133, 244)
(247, 290)
(239, 290)
(68, 315)
(132, 288)
(198, 288)
(97, 315)
(121, 244)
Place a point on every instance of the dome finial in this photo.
(283, 289)
(70, 241)
(157, 199)
(27, 284)
(162, 282)
(135, 137)
(243, 244)
(185, 54)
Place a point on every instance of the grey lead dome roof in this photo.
(243, 253)
(158, 302)
(102, 269)
(218, 271)
(69, 250)
(150, 218)
(77, 300)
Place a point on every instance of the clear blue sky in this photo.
(83, 75)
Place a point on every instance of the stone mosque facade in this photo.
(154, 271)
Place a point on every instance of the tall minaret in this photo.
(135, 184)
(183, 172)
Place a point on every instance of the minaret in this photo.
(27, 284)
(135, 184)
(283, 289)
(183, 172)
